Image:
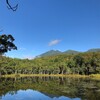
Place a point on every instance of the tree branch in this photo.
(14, 8)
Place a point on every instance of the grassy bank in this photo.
(41, 75)
(94, 76)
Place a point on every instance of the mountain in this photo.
(57, 52)
(50, 53)
(94, 50)
(71, 52)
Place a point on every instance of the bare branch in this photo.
(14, 8)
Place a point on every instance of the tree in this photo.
(13, 8)
(78, 60)
(6, 43)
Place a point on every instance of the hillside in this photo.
(50, 53)
(57, 52)
(82, 63)
(71, 52)
(94, 50)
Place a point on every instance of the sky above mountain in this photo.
(42, 25)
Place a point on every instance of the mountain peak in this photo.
(94, 50)
(50, 53)
(57, 52)
(71, 52)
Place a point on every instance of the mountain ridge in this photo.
(57, 52)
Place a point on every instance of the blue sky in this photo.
(42, 25)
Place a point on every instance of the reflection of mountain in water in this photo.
(50, 95)
(52, 87)
(32, 95)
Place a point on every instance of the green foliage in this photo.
(6, 43)
(83, 63)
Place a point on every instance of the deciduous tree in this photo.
(6, 43)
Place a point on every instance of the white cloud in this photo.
(22, 48)
(54, 42)
(28, 57)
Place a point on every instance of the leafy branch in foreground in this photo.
(6, 43)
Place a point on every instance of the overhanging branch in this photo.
(13, 8)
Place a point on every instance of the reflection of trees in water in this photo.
(71, 87)
(12, 92)
(0, 97)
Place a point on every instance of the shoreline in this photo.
(93, 76)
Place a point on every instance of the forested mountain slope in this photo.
(81, 63)
(57, 52)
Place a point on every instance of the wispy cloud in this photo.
(21, 48)
(28, 57)
(54, 42)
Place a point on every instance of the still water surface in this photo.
(49, 88)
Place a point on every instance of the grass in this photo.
(92, 76)
(55, 75)
(95, 76)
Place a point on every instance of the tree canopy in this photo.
(83, 63)
(6, 43)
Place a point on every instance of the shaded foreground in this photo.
(50, 87)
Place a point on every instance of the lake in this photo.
(49, 88)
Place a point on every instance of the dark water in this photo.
(49, 88)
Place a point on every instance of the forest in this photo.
(82, 63)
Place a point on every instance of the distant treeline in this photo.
(82, 63)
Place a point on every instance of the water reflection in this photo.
(32, 95)
(49, 88)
